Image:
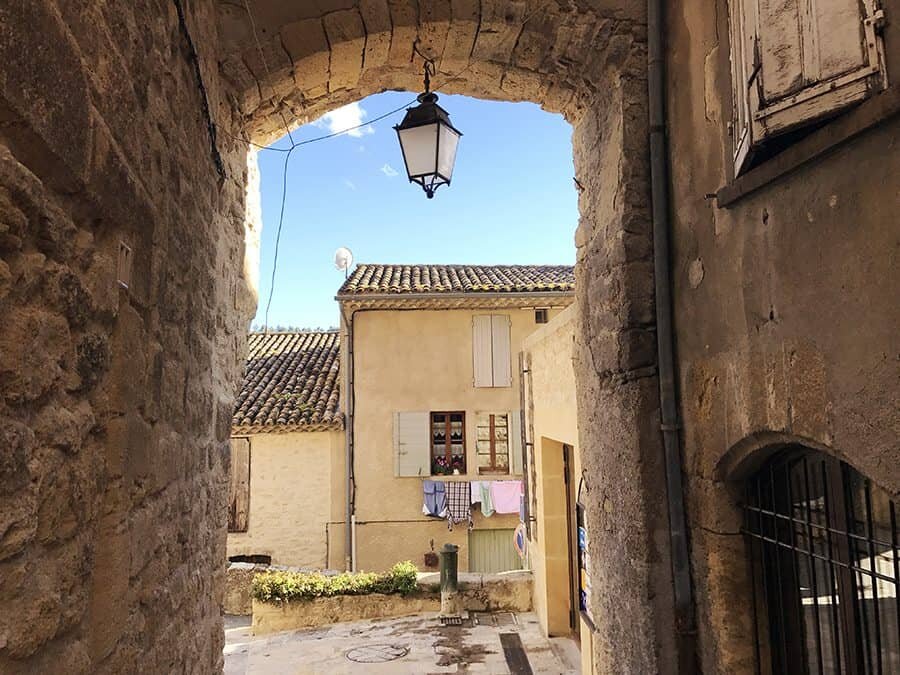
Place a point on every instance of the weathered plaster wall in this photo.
(785, 311)
(553, 413)
(291, 479)
(115, 405)
(551, 349)
(549, 352)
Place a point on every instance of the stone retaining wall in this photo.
(480, 592)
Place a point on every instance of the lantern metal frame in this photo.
(428, 112)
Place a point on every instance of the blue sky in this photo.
(512, 200)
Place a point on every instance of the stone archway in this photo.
(125, 422)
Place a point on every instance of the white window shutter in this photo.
(500, 347)
(794, 63)
(412, 452)
(742, 22)
(481, 351)
(515, 442)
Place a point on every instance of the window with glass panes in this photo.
(448, 442)
(825, 567)
(492, 442)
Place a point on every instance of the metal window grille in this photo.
(823, 544)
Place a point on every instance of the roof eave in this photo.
(474, 295)
(256, 429)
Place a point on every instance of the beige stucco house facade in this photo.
(426, 345)
(419, 347)
(556, 484)
(287, 451)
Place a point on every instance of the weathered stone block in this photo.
(43, 82)
(347, 37)
(460, 35)
(376, 18)
(33, 345)
(64, 424)
(501, 23)
(404, 17)
(307, 45)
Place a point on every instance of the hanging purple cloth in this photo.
(435, 499)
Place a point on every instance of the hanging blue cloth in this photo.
(435, 503)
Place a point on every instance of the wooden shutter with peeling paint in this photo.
(239, 491)
(412, 449)
(798, 61)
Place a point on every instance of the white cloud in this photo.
(350, 184)
(389, 171)
(349, 118)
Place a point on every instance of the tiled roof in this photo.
(428, 279)
(290, 383)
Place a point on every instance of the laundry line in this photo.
(453, 500)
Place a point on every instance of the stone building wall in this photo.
(292, 481)
(785, 309)
(115, 405)
(552, 420)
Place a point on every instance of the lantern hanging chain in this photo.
(428, 66)
(194, 58)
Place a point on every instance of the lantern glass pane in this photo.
(447, 151)
(419, 148)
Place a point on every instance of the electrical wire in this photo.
(287, 158)
(262, 57)
(204, 97)
(295, 144)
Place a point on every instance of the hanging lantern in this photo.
(428, 141)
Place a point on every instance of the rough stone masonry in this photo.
(115, 402)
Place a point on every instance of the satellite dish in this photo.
(343, 258)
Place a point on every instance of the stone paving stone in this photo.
(432, 648)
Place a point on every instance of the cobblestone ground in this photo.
(415, 644)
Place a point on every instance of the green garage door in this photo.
(493, 551)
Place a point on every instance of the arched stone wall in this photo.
(105, 141)
(590, 65)
(303, 60)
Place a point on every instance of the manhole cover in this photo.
(377, 653)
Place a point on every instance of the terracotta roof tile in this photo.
(290, 383)
(420, 279)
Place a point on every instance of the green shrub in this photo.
(286, 586)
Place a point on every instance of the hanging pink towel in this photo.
(505, 495)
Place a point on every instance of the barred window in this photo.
(825, 564)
